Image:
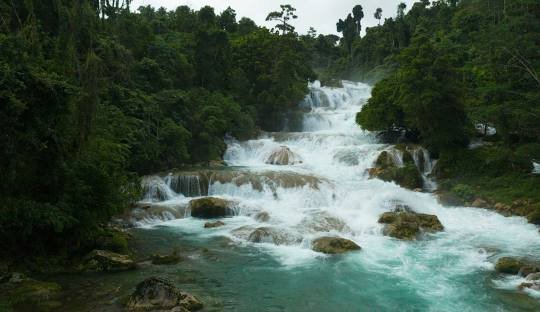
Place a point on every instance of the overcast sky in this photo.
(320, 14)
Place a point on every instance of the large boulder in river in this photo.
(273, 236)
(283, 156)
(514, 266)
(334, 245)
(103, 260)
(211, 207)
(403, 172)
(322, 221)
(406, 224)
(159, 294)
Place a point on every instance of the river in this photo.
(327, 191)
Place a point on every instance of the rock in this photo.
(283, 156)
(408, 176)
(508, 265)
(273, 236)
(29, 294)
(211, 225)
(479, 203)
(533, 277)
(448, 199)
(503, 209)
(385, 160)
(334, 245)
(159, 294)
(528, 269)
(323, 222)
(173, 258)
(210, 207)
(102, 260)
(408, 224)
(529, 285)
(262, 216)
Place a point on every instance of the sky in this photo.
(319, 14)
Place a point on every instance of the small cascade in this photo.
(536, 168)
(157, 189)
(188, 185)
(425, 164)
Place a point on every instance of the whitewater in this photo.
(327, 191)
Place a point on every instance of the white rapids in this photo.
(333, 148)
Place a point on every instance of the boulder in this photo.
(334, 245)
(159, 294)
(210, 207)
(27, 294)
(533, 277)
(528, 269)
(211, 225)
(283, 156)
(262, 216)
(479, 203)
(530, 285)
(408, 225)
(103, 260)
(508, 265)
(408, 176)
(323, 222)
(273, 236)
(449, 199)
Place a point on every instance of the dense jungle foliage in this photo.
(460, 78)
(94, 94)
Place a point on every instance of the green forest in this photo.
(94, 95)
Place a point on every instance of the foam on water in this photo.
(333, 147)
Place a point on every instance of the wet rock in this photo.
(148, 213)
(387, 169)
(334, 245)
(385, 160)
(323, 222)
(102, 260)
(242, 232)
(273, 236)
(528, 269)
(211, 207)
(347, 157)
(211, 225)
(448, 199)
(27, 294)
(533, 277)
(283, 156)
(173, 258)
(160, 294)
(530, 285)
(408, 225)
(508, 265)
(479, 203)
(262, 216)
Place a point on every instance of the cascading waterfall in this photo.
(330, 193)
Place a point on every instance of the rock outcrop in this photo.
(515, 266)
(283, 156)
(406, 224)
(103, 260)
(273, 236)
(403, 172)
(211, 207)
(171, 259)
(159, 294)
(334, 245)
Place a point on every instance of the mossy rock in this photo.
(534, 217)
(26, 294)
(408, 177)
(103, 260)
(160, 294)
(408, 225)
(216, 224)
(210, 207)
(114, 240)
(334, 245)
(385, 160)
(509, 265)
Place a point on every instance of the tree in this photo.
(378, 15)
(358, 15)
(401, 10)
(227, 20)
(283, 17)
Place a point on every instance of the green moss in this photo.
(407, 177)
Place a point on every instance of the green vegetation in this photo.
(94, 95)
(448, 69)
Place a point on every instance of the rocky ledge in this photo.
(406, 224)
(160, 294)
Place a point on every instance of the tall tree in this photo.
(358, 15)
(283, 17)
(378, 15)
